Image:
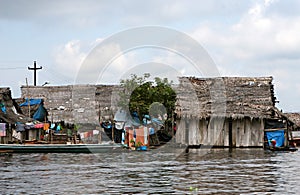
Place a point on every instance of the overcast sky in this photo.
(243, 38)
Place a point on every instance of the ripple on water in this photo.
(220, 171)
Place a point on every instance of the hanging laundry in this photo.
(95, 132)
(119, 125)
(82, 135)
(123, 137)
(29, 126)
(151, 131)
(3, 108)
(39, 125)
(20, 127)
(16, 135)
(2, 129)
(46, 126)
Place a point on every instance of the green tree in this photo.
(147, 97)
(128, 86)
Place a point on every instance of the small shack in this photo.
(35, 109)
(295, 117)
(295, 133)
(9, 116)
(226, 111)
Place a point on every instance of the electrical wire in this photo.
(12, 68)
(55, 75)
(49, 73)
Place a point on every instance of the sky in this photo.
(243, 38)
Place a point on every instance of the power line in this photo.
(50, 73)
(58, 76)
(12, 68)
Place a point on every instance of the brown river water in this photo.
(205, 171)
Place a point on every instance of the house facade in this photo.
(226, 111)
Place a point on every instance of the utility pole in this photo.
(34, 70)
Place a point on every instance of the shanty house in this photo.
(226, 111)
(9, 116)
(295, 117)
(295, 134)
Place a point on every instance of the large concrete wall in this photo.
(75, 103)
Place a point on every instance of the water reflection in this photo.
(216, 171)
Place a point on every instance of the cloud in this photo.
(263, 42)
(87, 63)
(176, 62)
(91, 13)
(97, 63)
(118, 64)
(69, 57)
(64, 14)
(255, 37)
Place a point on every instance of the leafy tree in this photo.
(147, 97)
(128, 86)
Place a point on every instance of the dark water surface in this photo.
(217, 171)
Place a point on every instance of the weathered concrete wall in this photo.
(57, 100)
(84, 104)
(75, 103)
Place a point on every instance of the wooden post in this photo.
(230, 133)
(100, 137)
(113, 126)
(28, 97)
(172, 126)
(50, 135)
(99, 116)
(10, 131)
(286, 133)
(99, 123)
(186, 131)
(291, 136)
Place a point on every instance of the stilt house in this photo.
(9, 116)
(295, 117)
(295, 133)
(226, 111)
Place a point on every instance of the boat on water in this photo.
(288, 149)
(60, 148)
